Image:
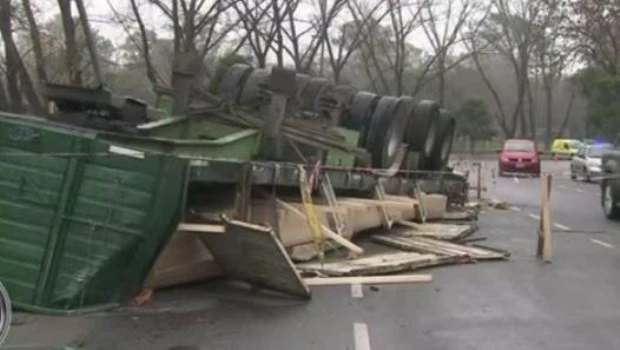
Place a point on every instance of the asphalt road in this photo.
(573, 303)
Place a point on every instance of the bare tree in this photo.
(35, 37)
(386, 48)
(18, 79)
(551, 58)
(349, 36)
(511, 31)
(72, 54)
(442, 41)
(296, 27)
(262, 21)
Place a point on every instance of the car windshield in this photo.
(597, 152)
(519, 145)
(575, 144)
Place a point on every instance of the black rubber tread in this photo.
(251, 88)
(233, 82)
(362, 108)
(442, 146)
(422, 127)
(387, 125)
(312, 92)
(5, 313)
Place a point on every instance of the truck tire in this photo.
(5, 313)
(609, 201)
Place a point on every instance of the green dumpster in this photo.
(81, 220)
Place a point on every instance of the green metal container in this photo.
(193, 137)
(81, 220)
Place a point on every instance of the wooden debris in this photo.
(439, 247)
(253, 254)
(205, 228)
(318, 281)
(440, 231)
(327, 231)
(144, 297)
(465, 215)
(377, 264)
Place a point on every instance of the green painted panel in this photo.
(80, 224)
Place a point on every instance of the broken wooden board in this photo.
(330, 281)
(439, 247)
(464, 215)
(376, 265)
(450, 232)
(254, 254)
(183, 260)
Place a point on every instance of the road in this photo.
(573, 303)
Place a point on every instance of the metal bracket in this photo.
(388, 221)
(327, 190)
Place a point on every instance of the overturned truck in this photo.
(279, 167)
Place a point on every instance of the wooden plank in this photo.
(329, 281)
(253, 254)
(327, 231)
(204, 228)
(439, 247)
(448, 232)
(376, 264)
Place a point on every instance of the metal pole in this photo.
(479, 180)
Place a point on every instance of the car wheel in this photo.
(588, 177)
(610, 202)
(573, 176)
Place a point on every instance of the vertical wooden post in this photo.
(544, 229)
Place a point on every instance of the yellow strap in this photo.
(313, 221)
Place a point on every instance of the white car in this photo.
(586, 164)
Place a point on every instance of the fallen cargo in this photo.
(81, 220)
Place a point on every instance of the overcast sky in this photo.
(101, 19)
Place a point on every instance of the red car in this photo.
(519, 156)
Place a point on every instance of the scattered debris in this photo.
(440, 231)
(439, 247)
(144, 297)
(253, 254)
(318, 281)
(377, 264)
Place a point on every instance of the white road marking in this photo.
(601, 243)
(357, 291)
(515, 208)
(516, 179)
(579, 190)
(561, 227)
(562, 186)
(534, 216)
(360, 334)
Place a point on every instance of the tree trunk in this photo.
(72, 55)
(4, 101)
(532, 109)
(442, 79)
(35, 37)
(567, 115)
(548, 111)
(15, 66)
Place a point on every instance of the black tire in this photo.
(573, 176)
(231, 85)
(312, 94)
(443, 142)
(422, 129)
(386, 133)
(363, 107)
(250, 93)
(5, 313)
(609, 201)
